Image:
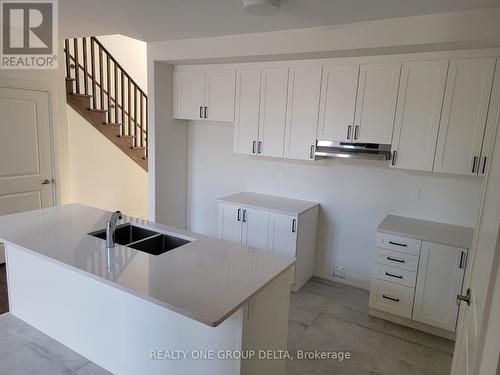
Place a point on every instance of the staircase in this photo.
(102, 92)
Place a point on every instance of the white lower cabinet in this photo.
(439, 280)
(254, 221)
(417, 280)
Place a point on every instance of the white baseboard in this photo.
(347, 281)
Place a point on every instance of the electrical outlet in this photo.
(415, 193)
(339, 271)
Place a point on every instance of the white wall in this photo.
(102, 175)
(355, 195)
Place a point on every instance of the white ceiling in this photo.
(153, 20)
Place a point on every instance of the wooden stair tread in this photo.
(98, 110)
(81, 95)
(127, 136)
(70, 79)
(113, 123)
(138, 148)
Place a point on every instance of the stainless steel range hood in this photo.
(374, 151)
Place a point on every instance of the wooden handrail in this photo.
(102, 92)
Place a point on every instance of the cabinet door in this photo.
(255, 227)
(376, 102)
(439, 280)
(230, 222)
(418, 112)
(274, 87)
(246, 124)
(302, 112)
(465, 107)
(220, 95)
(282, 234)
(338, 100)
(190, 94)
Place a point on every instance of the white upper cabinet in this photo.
(273, 96)
(190, 94)
(376, 102)
(302, 112)
(463, 118)
(439, 280)
(204, 95)
(417, 115)
(338, 102)
(246, 123)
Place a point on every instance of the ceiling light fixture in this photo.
(262, 7)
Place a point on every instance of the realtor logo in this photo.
(29, 34)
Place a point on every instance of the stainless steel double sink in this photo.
(143, 239)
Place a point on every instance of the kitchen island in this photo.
(192, 310)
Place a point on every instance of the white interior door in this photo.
(463, 120)
(255, 228)
(230, 220)
(302, 112)
(376, 102)
(338, 101)
(274, 86)
(220, 95)
(283, 234)
(190, 94)
(420, 99)
(472, 326)
(246, 122)
(25, 153)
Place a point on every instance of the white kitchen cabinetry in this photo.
(204, 95)
(338, 102)
(464, 116)
(418, 112)
(281, 225)
(440, 278)
(261, 96)
(304, 84)
(418, 270)
(376, 102)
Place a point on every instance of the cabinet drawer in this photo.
(392, 298)
(396, 259)
(394, 275)
(398, 243)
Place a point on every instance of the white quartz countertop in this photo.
(446, 234)
(270, 202)
(207, 279)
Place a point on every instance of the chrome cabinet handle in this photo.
(46, 182)
(356, 132)
(349, 131)
(206, 109)
(253, 147)
(201, 111)
(244, 216)
(294, 222)
(239, 214)
(311, 152)
(390, 298)
(474, 160)
(259, 147)
(462, 298)
(394, 154)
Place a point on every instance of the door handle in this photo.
(394, 154)
(462, 298)
(259, 147)
(294, 222)
(244, 216)
(390, 298)
(206, 110)
(201, 111)
(239, 214)
(349, 127)
(253, 147)
(396, 260)
(398, 244)
(393, 275)
(46, 182)
(484, 166)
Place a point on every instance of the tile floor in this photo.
(322, 317)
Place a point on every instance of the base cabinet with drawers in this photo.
(276, 224)
(417, 280)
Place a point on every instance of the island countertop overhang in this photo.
(206, 280)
